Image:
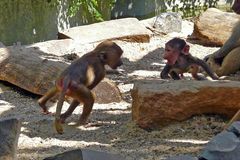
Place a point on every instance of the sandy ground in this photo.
(113, 130)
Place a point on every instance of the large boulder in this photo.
(9, 134)
(122, 29)
(157, 103)
(213, 27)
(168, 22)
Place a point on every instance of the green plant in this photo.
(190, 8)
(90, 6)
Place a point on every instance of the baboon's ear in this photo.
(103, 57)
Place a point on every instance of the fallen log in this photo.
(157, 103)
(213, 27)
(34, 68)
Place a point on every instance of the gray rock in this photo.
(9, 134)
(96, 155)
(168, 22)
(182, 157)
(2, 45)
(85, 154)
(223, 142)
(235, 128)
(224, 146)
(69, 155)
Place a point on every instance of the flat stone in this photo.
(92, 155)
(158, 103)
(235, 128)
(182, 157)
(85, 154)
(223, 142)
(53, 47)
(120, 29)
(224, 146)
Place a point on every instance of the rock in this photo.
(224, 146)
(85, 154)
(235, 128)
(182, 157)
(9, 134)
(1, 45)
(54, 47)
(168, 22)
(107, 92)
(148, 23)
(35, 67)
(4, 87)
(223, 142)
(214, 27)
(122, 29)
(157, 103)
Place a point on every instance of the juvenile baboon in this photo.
(79, 78)
(179, 61)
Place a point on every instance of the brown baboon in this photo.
(79, 78)
(179, 61)
(226, 61)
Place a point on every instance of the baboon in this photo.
(226, 61)
(179, 61)
(79, 78)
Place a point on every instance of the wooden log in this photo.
(158, 103)
(129, 29)
(34, 68)
(213, 27)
